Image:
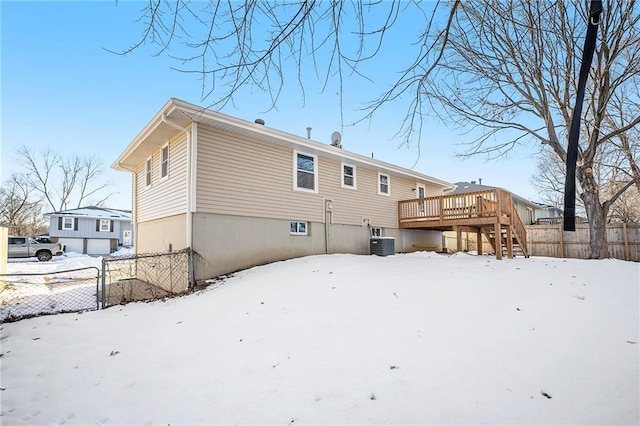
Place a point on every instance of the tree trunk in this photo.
(596, 214)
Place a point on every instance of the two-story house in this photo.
(240, 193)
(91, 230)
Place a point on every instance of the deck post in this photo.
(479, 241)
(509, 242)
(458, 238)
(498, 231)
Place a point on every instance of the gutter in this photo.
(190, 174)
(194, 112)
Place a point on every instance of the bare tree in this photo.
(511, 72)
(503, 71)
(64, 183)
(611, 171)
(18, 210)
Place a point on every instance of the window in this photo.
(298, 228)
(15, 240)
(306, 172)
(148, 171)
(164, 162)
(67, 223)
(105, 225)
(376, 232)
(348, 176)
(383, 184)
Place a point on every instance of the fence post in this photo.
(561, 233)
(190, 268)
(104, 295)
(625, 235)
(97, 289)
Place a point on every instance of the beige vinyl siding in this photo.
(164, 197)
(352, 207)
(238, 176)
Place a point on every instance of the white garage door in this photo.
(96, 246)
(72, 244)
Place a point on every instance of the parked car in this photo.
(30, 247)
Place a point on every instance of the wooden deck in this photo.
(490, 213)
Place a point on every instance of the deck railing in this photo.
(518, 226)
(494, 202)
(471, 209)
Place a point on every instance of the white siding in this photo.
(164, 197)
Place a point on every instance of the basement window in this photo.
(376, 232)
(298, 228)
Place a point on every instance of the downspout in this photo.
(189, 174)
(134, 209)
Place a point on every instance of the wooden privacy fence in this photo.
(552, 241)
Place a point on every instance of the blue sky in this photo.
(62, 90)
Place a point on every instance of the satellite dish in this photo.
(336, 138)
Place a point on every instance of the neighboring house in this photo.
(91, 230)
(548, 215)
(242, 194)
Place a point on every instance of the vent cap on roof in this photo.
(259, 121)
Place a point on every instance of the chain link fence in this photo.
(145, 277)
(27, 295)
(119, 280)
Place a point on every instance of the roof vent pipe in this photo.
(308, 132)
(479, 181)
(259, 121)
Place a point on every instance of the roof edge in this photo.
(193, 112)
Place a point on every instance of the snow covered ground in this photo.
(342, 339)
(49, 288)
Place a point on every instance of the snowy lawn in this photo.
(342, 339)
(52, 290)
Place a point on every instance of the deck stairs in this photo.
(517, 248)
(486, 213)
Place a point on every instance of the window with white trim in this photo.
(376, 232)
(148, 171)
(348, 176)
(384, 184)
(105, 225)
(306, 172)
(164, 162)
(298, 228)
(67, 223)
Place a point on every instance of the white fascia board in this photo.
(140, 137)
(303, 144)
